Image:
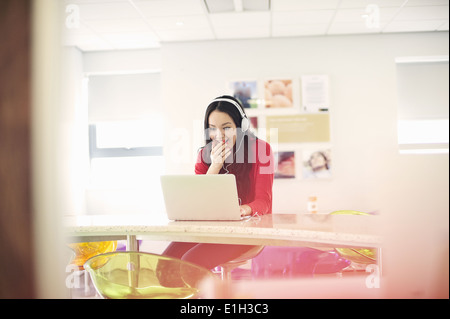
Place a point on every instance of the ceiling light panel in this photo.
(256, 5)
(218, 6)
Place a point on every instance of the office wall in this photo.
(363, 107)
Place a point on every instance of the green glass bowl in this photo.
(137, 275)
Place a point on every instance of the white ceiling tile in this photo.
(355, 4)
(132, 40)
(87, 42)
(413, 26)
(110, 10)
(302, 17)
(297, 5)
(423, 13)
(351, 28)
(427, 3)
(240, 19)
(117, 25)
(299, 30)
(242, 33)
(167, 23)
(132, 24)
(186, 35)
(91, 1)
(355, 15)
(161, 8)
(82, 29)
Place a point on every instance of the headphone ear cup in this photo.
(245, 124)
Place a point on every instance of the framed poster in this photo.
(285, 167)
(278, 93)
(300, 128)
(246, 92)
(316, 163)
(315, 93)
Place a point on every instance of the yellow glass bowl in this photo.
(137, 275)
(84, 251)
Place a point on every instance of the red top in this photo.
(259, 198)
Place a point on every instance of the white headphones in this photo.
(245, 123)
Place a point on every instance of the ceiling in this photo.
(95, 25)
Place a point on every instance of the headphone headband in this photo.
(245, 123)
(232, 102)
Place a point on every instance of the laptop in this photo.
(201, 197)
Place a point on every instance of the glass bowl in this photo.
(84, 251)
(138, 275)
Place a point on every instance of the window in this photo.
(423, 124)
(125, 143)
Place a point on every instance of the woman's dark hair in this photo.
(242, 162)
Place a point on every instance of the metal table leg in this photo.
(132, 243)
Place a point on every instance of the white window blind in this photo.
(423, 104)
(123, 97)
(125, 143)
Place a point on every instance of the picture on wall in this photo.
(278, 93)
(315, 93)
(300, 128)
(316, 163)
(285, 164)
(246, 92)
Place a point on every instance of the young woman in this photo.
(230, 148)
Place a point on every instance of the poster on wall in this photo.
(299, 128)
(285, 165)
(316, 163)
(278, 93)
(315, 93)
(246, 92)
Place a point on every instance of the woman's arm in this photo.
(263, 180)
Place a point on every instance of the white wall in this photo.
(363, 99)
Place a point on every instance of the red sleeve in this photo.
(263, 177)
(200, 166)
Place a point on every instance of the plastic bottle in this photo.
(312, 205)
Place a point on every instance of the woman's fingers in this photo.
(220, 152)
(217, 153)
